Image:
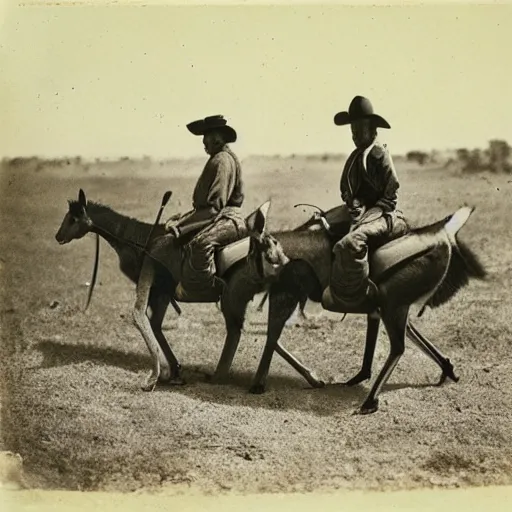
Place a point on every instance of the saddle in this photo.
(382, 260)
(227, 256)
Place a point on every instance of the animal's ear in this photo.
(257, 221)
(82, 199)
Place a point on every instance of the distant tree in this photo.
(471, 160)
(462, 155)
(476, 161)
(417, 156)
(24, 162)
(499, 156)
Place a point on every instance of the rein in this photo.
(100, 231)
(94, 272)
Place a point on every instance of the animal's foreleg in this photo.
(159, 305)
(281, 306)
(175, 305)
(309, 375)
(395, 323)
(372, 332)
(433, 352)
(142, 323)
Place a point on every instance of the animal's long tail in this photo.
(463, 265)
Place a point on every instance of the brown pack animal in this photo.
(129, 238)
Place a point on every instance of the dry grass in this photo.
(71, 402)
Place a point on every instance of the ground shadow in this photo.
(395, 386)
(283, 392)
(62, 354)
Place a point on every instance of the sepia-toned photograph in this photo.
(255, 249)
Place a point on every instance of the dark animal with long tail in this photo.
(428, 266)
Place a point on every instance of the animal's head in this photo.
(76, 222)
(265, 253)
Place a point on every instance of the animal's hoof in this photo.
(176, 381)
(149, 385)
(354, 381)
(448, 373)
(164, 379)
(369, 407)
(317, 384)
(257, 389)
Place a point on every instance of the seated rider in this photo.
(216, 217)
(368, 187)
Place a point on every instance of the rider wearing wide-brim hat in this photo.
(369, 188)
(216, 217)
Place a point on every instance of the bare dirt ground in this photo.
(72, 405)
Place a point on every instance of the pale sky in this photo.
(124, 81)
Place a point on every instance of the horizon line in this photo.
(160, 158)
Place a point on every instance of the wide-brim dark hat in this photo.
(360, 108)
(217, 122)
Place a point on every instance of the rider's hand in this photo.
(357, 212)
(321, 217)
(170, 227)
(170, 223)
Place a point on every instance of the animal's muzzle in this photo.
(274, 269)
(60, 240)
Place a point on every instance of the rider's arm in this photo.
(222, 181)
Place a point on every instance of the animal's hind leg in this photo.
(281, 306)
(395, 322)
(308, 374)
(433, 352)
(372, 332)
(143, 324)
(159, 304)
